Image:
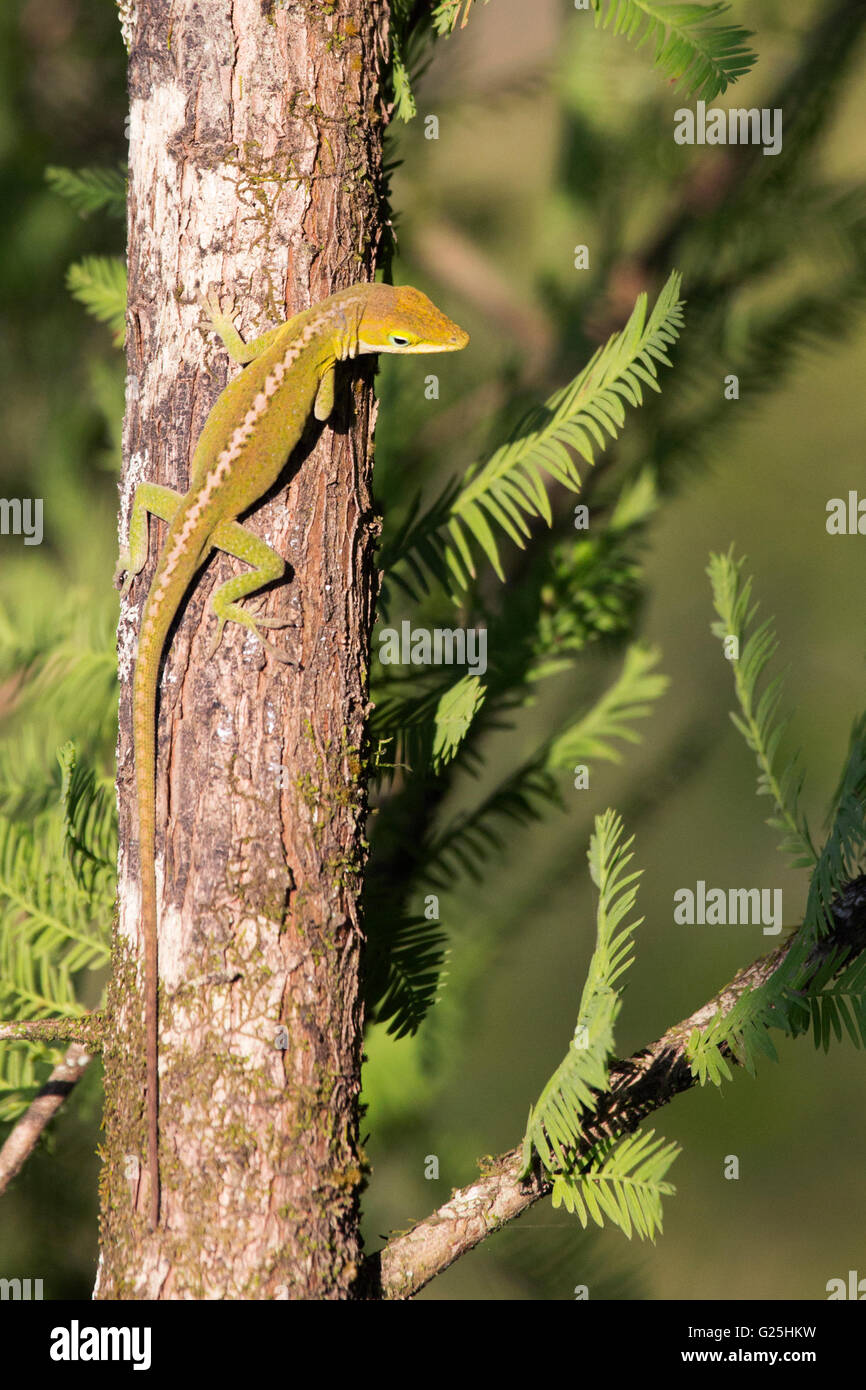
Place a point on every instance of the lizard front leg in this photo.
(218, 320)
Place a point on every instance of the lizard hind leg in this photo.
(267, 566)
(158, 501)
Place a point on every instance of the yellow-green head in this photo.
(398, 318)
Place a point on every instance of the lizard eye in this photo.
(398, 340)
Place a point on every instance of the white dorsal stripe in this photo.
(235, 446)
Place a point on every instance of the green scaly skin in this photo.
(253, 427)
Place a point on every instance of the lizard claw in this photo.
(216, 310)
(275, 651)
(269, 622)
(253, 627)
(217, 638)
(121, 569)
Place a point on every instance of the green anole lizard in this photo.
(253, 427)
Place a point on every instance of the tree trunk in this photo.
(255, 165)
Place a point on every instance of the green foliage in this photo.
(631, 697)
(838, 1005)
(90, 190)
(58, 831)
(774, 257)
(454, 715)
(53, 926)
(762, 346)
(404, 969)
(426, 728)
(624, 1182)
(401, 80)
(621, 1179)
(591, 593)
(58, 819)
(468, 840)
(447, 14)
(555, 1127)
(23, 1069)
(586, 590)
(510, 487)
(428, 725)
(64, 657)
(413, 26)
(827, 994)
(699, 57)
(829, 999)
(843, 850)
(90, 827)
(758, 722)
(99, 283)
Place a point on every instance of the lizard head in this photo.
(401, 319)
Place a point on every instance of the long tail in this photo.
(144, 731)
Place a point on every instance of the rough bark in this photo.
(255, 161)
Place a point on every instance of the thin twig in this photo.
(25, 1136)
(86, 1030)
(639, 1085)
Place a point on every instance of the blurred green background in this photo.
(550, 135)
